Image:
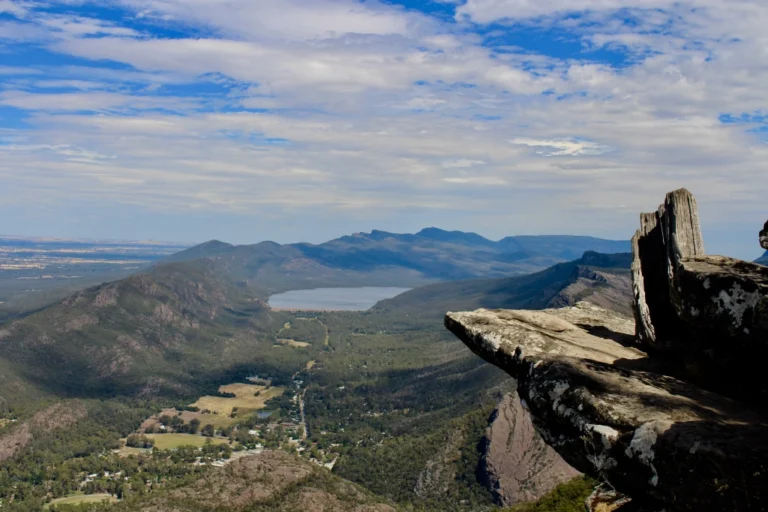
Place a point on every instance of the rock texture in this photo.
(704, 311)
(664, 239)
(603, 407)
(518, 465)
(647, 421)
(605, 499)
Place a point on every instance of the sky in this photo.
(303, 120)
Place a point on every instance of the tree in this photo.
(139, 441)
(208, 430)
(194, 426)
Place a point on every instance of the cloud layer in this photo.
(508, 116)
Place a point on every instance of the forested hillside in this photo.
(392, 401)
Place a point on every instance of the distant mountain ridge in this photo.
(602, 279)
(382, 258)
(763, 260)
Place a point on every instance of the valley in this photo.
(189, 364)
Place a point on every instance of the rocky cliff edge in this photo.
(632, 403)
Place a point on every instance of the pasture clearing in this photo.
(79, 499)
(127, 451)
(245, 399)
(173, 441)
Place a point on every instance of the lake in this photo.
(334, 299)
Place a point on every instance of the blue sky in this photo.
(293, 120)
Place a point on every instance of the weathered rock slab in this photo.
(606, 410)
(517, 464)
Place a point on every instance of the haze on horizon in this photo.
(303, 120)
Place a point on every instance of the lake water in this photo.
(334, 299)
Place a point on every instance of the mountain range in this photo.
(380, 258)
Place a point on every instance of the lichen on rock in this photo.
(670, 410)
(604, 408)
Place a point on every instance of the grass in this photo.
(126, 451)
(173, 441)
(217, 420)
(79, 499)
(245, 398)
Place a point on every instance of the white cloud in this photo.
(12, 8)
(563, 147)
(287, 19)
(378, 108)
(461, 163)
(475, 180)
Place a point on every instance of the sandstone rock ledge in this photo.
(611, 413)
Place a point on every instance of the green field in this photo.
(79, 499)
(172, 441)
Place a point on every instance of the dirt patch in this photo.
(293, 343)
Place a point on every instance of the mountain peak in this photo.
(453, 236)
(215, 244)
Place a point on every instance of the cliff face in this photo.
(632, 403)
(518, 465)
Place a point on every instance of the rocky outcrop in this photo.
(517, 464)
(670, 409)
(605, 499)
(609, 413)
(705, 312)
(664, 239)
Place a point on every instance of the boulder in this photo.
(517, 465)
(610, 412)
